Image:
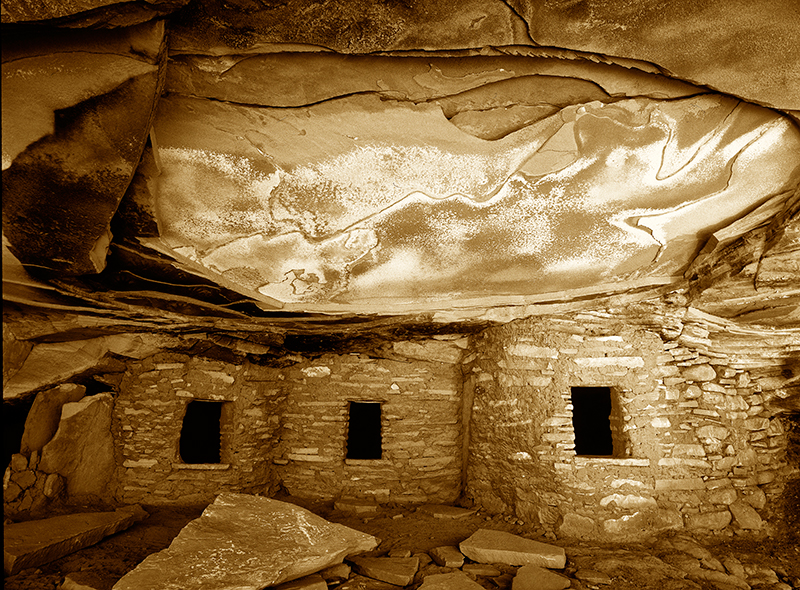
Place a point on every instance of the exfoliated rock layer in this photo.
(247, 542)
(360, 200)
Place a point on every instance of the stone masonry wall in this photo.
(148, 417)
(701, 449)
(421, 426)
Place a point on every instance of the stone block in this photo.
(725, 496)
(487, 546)
(533, 577)
(429, 350)
(745, 515)
(449, 581)
(713, 431)
(393, 570)
(577, 526)
(715, 520)
(704, 372)
(247, 542)
(448, 556)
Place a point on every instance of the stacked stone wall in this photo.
(421, 458)
(148, 418)
(700, 446)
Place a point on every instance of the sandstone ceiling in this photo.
(254, 159)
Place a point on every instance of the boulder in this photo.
(247, 542)
(36, 542)
(82, 450)
(45, 415)
(533, 577)
(451, 581)
(487, 546)
(394, 570)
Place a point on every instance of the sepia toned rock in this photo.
(272, 541)
(45, 414)
(393, 570)
(82, 131)
(488, 546)
(82, 449)
(37, 542)
(452, 581)
(533, 577)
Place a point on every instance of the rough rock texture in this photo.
(244, 541)
(533, 577)
(87, 13)
(487, 546)
(697, 41)
(76, 113)
(393, 570)
(82, 450)
(36, 542)
(451, 581)
(45, 414)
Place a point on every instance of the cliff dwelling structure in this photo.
(538, 259)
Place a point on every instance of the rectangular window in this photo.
(364, 431)
(201, 432)
(596, 420)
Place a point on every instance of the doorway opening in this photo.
(364, 431)
(597, 422)
(201, 432)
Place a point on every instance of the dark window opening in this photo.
(364, 431)
(200, 435)
(591, 420)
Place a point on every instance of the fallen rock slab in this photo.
(394, 570)
(451, 581)
(247, 543)
(533, 577)
(487, 546)
(446, 512)
(36, 542)
(448, 556)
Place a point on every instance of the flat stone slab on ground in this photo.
(533, 577)
(247, 543)
(448, 556)
(487, 546)
(36, 542)
(394, 570)
(447, 512)
(451, 581)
